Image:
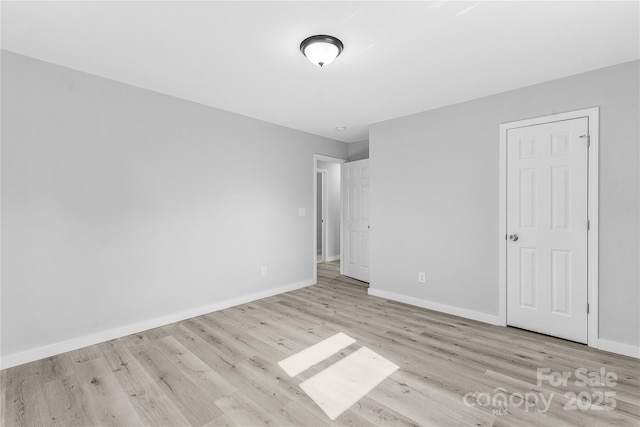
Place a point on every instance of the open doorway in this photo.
(322, 213)
(327, 210)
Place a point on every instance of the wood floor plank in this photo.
(79, 412)
(196, 407)
(235, 412)
(265, 386)
(24, 401)
(153, 406)
(206, 379)
(107, 400)
(61, 409)
(247, 343)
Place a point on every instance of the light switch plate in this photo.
(302, 211)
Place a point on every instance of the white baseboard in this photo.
(443, 308)
(87, 340)
(619, 348)
(606, 345)
(333, 258)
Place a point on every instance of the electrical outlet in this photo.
(422, 277)
(263, 270)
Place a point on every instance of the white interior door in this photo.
(547, 172)
(355, 217)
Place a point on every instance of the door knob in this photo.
(513, 237)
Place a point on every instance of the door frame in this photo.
(592, 114)
(314, 224)
(325, 213)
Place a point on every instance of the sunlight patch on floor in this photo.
(300, 362)
(342, 384)
(345, 382)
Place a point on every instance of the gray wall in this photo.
(121, 205)
(434, 195)
(358, 150)
(333, 221)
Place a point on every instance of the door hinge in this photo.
(588, 224)
(588, 137)
(587, 308)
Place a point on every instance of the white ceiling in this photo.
(399, 58)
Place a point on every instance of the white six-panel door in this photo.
(547, 167)
(355, 217)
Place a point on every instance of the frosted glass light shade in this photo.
(321, 50)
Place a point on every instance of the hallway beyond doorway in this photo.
(330, 272)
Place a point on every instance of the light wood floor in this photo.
(221, 369)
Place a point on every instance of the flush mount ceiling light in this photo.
(321, 50)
